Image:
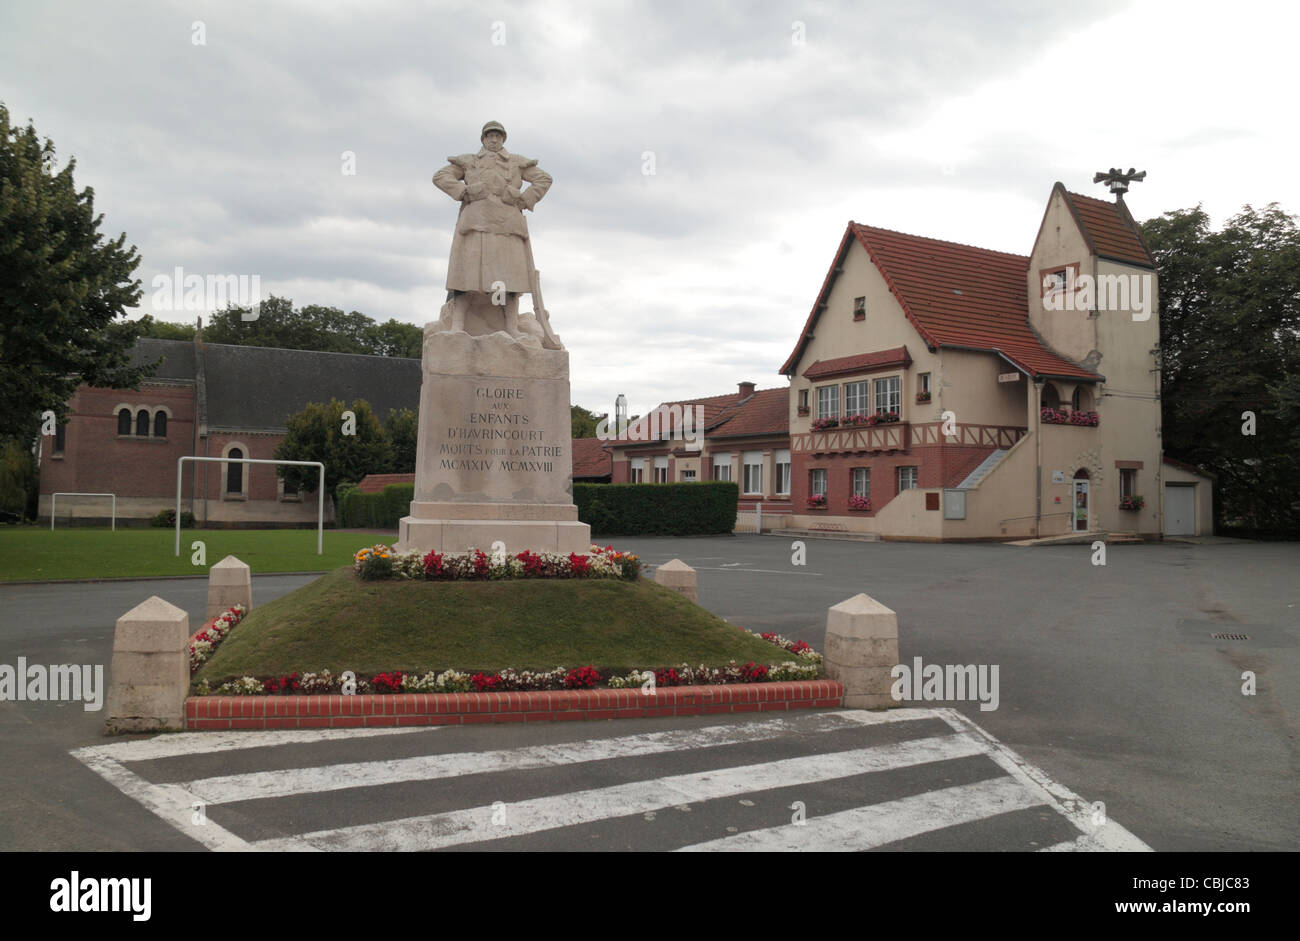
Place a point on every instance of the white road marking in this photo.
(257, 785)
(878, 824)
(198, 743)
(171, 802)
(475, 824)
(1109, 836)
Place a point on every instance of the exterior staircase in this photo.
(974, 477)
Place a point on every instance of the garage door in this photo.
(1180, 510)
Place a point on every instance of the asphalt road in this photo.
(1109, 679)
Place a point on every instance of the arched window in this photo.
(142, 423)
(124, 421)
(1051, 398)
(1081, 401)
(160, 425)
(235, 472)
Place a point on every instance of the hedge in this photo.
(384, 510)
(683, 509)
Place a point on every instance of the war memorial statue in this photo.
(494, 461)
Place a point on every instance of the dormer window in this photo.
(859, 308)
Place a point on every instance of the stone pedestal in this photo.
(150, 676)
(861, 649)
(494, 460)
(680, 577)
(230, 582)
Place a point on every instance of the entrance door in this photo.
(1080, 506)
(1180, 510)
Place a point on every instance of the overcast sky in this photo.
(770, 125)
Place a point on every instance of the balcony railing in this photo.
(902, 436)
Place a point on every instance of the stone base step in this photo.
(826, 534)
(1076, 538)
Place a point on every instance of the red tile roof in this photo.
(375, 483)
(955, 296)
(863, 362)
(764, 412)
(590, 459)
(713, 406)
(1109, 229)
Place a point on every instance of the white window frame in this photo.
(915, 477)
(857, 476)
(661, 469)
(751, 472)
(891, 387)
(636, 470)
(924, 382)
(817, 475)
(863, 399)
(688, 475)
(722, 462)
(781, 468)
(828, 401)
(1128, 479)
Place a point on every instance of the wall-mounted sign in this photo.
(1058, 477)
(1008, 377)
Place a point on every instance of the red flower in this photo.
(581, 678)
(483, 683)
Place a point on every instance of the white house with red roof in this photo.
(940, 391)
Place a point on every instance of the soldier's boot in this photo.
(458, 307)
(511, 312)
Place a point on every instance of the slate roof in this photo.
(955, 295)
(1109, 229)
(254, 388)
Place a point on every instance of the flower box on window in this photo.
(859, 503)
(857, 421)
(923, 396)
(1054, 416)
(804, 410)
(821, 424)
(1134, 502)
(881, 418)
(817, 501)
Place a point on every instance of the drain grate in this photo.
(1230, 637)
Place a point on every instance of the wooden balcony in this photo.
(896, 437)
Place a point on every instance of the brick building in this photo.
(210, 400)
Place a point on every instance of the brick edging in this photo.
(204, 713)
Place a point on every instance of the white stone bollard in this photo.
(230, 582)
(680, 577)
(150, 675)
(861, 649)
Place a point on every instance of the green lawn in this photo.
(339, 622)
(32, 554)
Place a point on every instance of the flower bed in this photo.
(205, 641)
(807, 666)
(381, 562)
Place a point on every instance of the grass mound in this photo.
(341, 623)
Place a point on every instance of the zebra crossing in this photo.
(841, 780)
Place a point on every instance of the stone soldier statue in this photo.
(491, 258)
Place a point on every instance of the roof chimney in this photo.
(746, 389)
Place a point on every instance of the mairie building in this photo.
(939, 391)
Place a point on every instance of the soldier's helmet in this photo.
(492, 126)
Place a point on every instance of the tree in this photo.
(1230, 345)
(318, 433)
(64, 287)
(314, 327)
(396, 339)
(402, 428)
(164, 329)
(17, 477)
(582, 422)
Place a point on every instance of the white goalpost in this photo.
(54, 504)
(320, 490)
